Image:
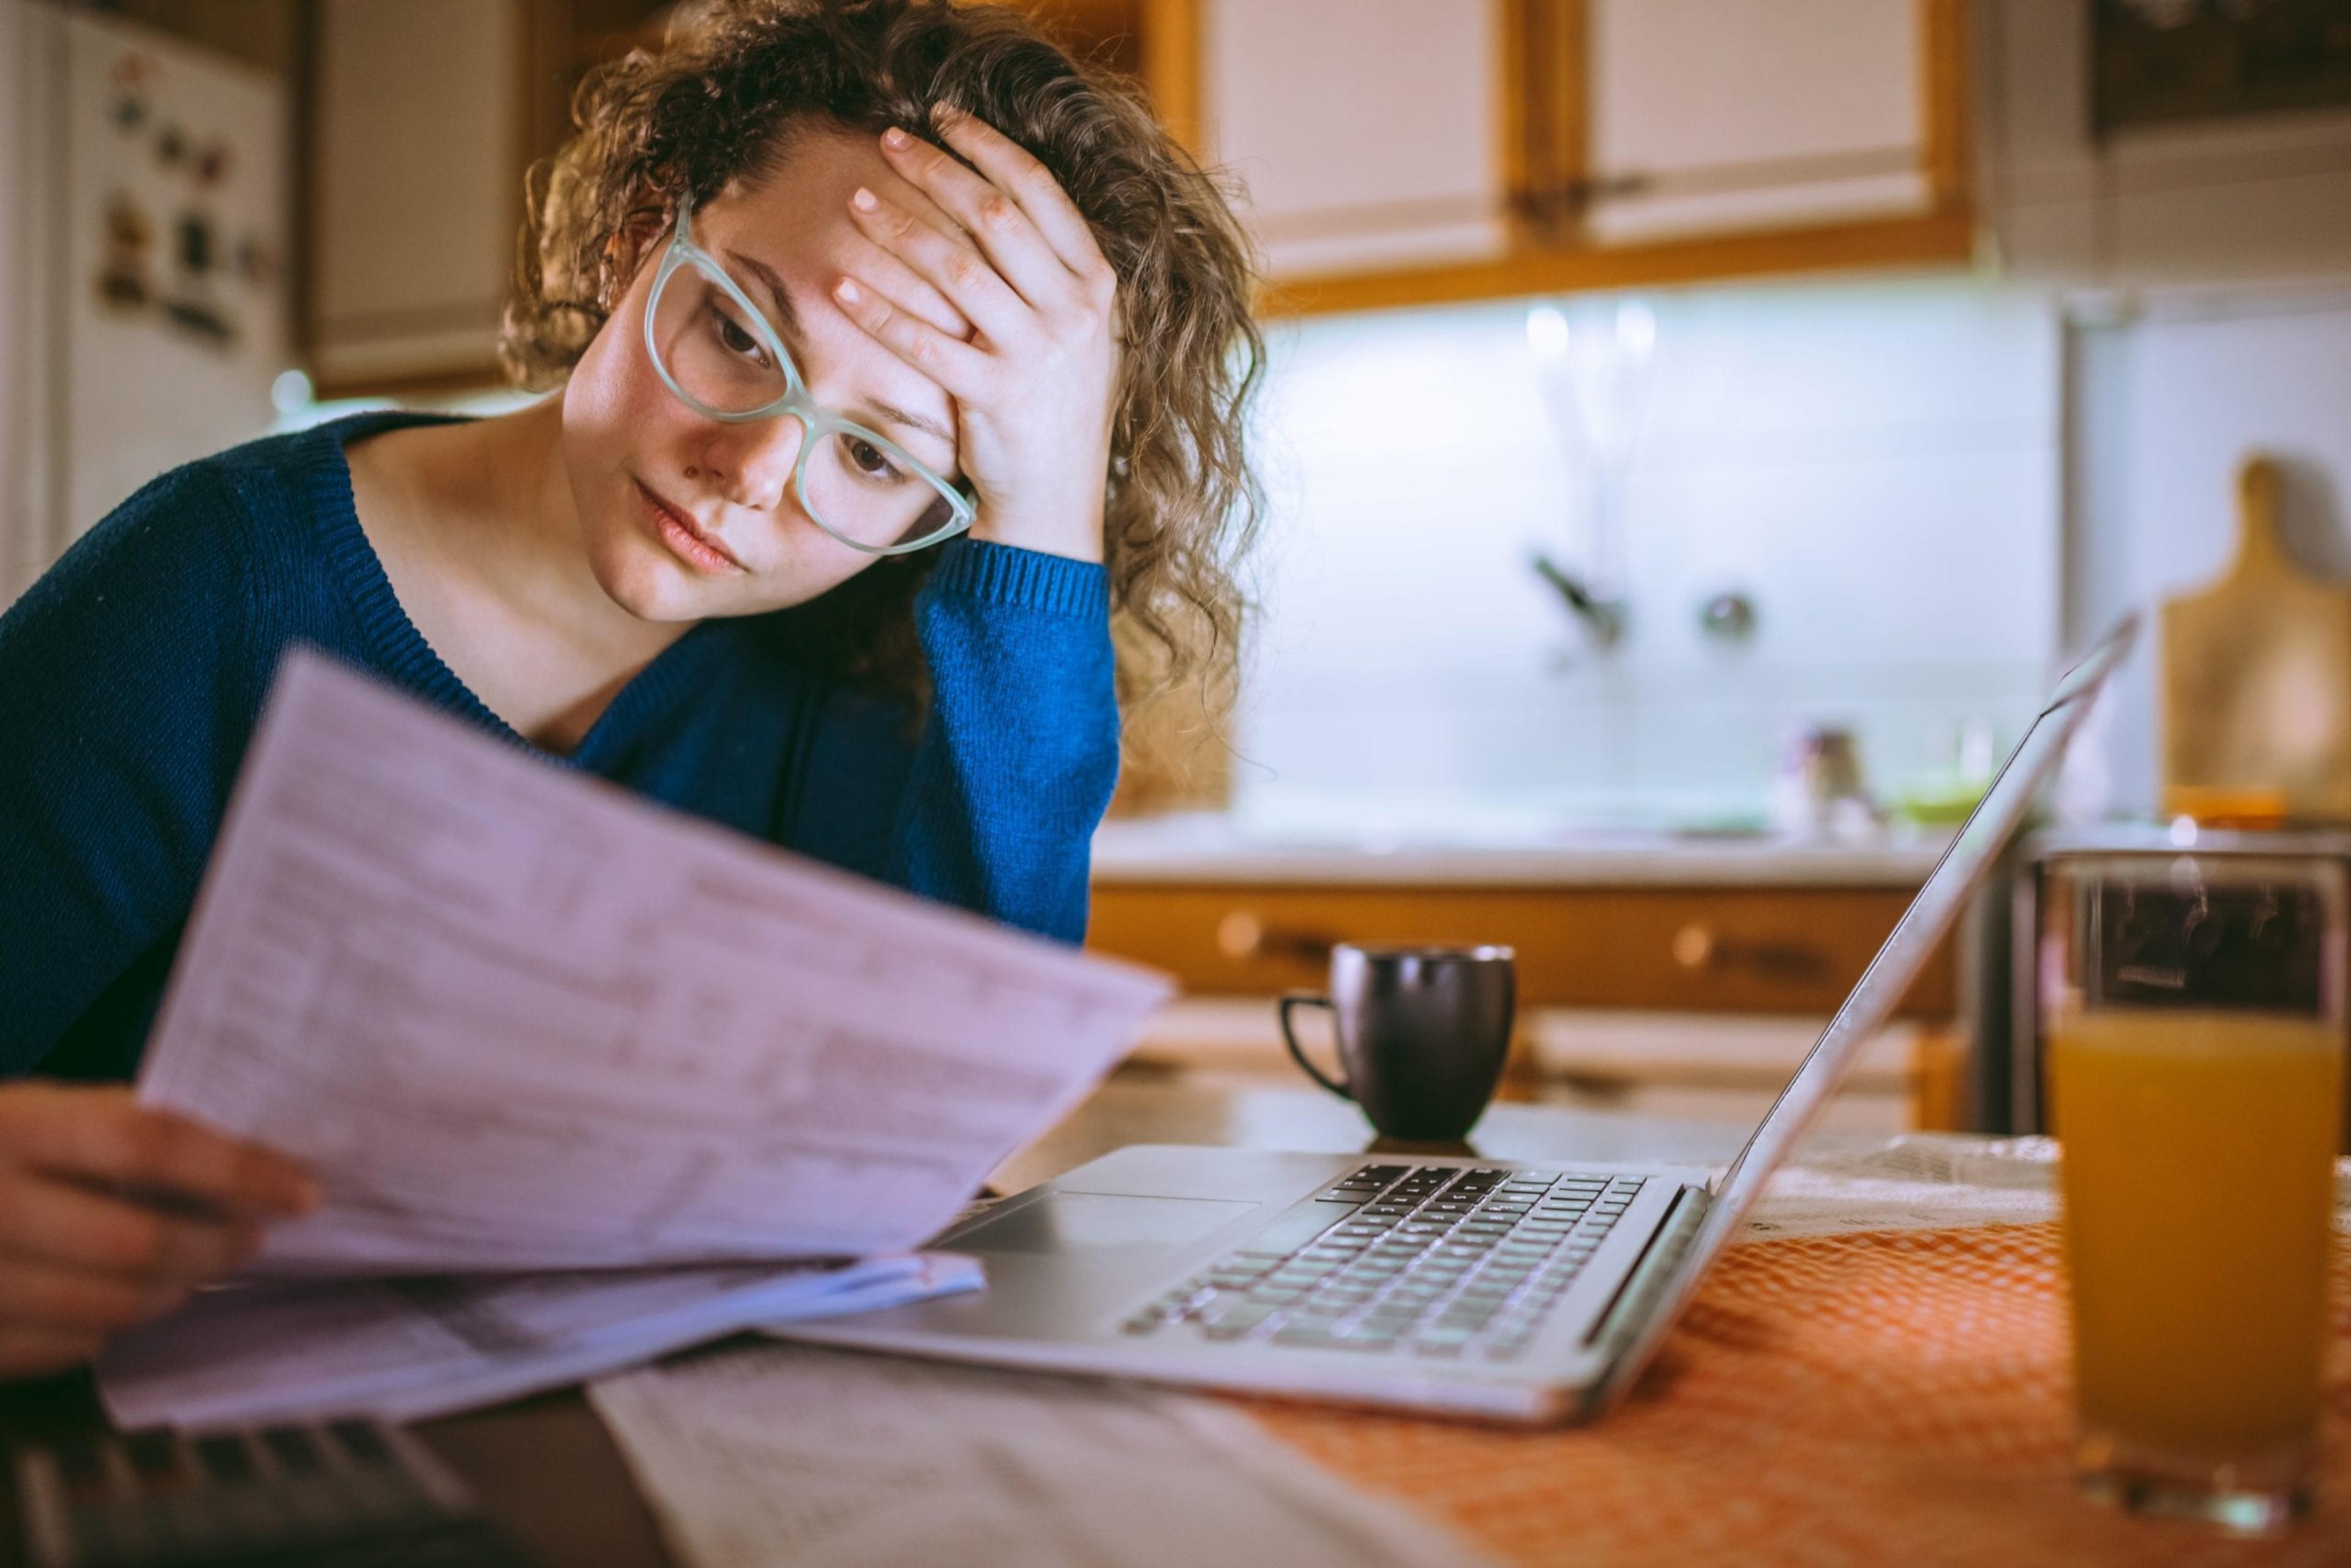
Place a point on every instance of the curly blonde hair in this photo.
(720, 101)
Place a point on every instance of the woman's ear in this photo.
(626, 248)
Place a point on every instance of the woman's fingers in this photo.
(103, 1134)
(991, 215)
(898, 280)
(1034, 386)
(950, 362)
(1015, 170)
(953, 267)
(55, 1220)
(43, 1295)
(29, 1352)
(80, 1257)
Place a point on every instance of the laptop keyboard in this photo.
(1430, 1260)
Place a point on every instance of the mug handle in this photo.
(1309, 1000)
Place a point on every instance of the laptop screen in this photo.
(1871, 1004)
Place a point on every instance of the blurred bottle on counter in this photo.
(1816, 787)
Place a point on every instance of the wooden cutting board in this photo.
(2256, 680)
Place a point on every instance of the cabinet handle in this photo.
(1697, 948)
(1244, 934)
(1558, 203)
(1591, 193)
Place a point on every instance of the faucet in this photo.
(1601, 614)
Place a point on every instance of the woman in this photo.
(894, 353)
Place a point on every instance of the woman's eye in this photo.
(735, 338)
(871, 461)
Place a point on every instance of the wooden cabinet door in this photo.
(1368, 133)
(1672, 949)
(417, 129)
(1626, 142)
(1730, 116)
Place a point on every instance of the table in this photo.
(550, 1475)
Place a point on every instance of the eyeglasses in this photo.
(714, 348)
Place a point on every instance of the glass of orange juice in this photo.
(2193, 1014)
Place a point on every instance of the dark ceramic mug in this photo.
(1422, 1034)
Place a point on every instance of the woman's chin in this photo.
(650, 586)
(649, 580)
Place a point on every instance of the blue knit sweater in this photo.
(131, 673)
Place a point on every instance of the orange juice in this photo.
(2199, 1178)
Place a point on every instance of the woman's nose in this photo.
(752, 461)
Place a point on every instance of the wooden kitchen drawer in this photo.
(1745, 950)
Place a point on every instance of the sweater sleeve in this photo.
(125, 703)
(994, 805)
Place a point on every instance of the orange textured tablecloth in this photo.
(1884, 1397)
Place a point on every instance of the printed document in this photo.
(403, 1350)
(517, 1018)
(755, 1455)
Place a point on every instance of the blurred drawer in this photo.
(1748, 950)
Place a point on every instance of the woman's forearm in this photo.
(1018, 759)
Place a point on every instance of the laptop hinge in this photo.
(1623, 1317)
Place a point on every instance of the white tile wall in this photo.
(1878, 465)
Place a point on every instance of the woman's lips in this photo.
(704, 552)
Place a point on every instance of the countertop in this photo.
(1211, 849)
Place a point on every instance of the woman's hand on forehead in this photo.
(901, 282)
(1000, 243)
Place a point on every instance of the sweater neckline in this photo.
(402, 651)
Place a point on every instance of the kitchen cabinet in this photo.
(2254, 198)
(1723, 116)
(419, 119)
(1365, 135)
(1681, 999)
(413, 194)
(1413, 152)
(1766, 950)
(1391, 152)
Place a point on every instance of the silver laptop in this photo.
(1518, 1292)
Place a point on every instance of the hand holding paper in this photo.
(111, 1213)
(517, 1018)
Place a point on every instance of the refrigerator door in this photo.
(167, 296)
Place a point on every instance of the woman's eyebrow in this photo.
(788, 326)
(787, 318)
(890, 414)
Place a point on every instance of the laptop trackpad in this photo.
(1068, 1221)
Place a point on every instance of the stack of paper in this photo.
(411, 1348)
(517, 1018)
(758, 1454)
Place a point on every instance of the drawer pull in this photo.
(1244, 935)
(1697, 948)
